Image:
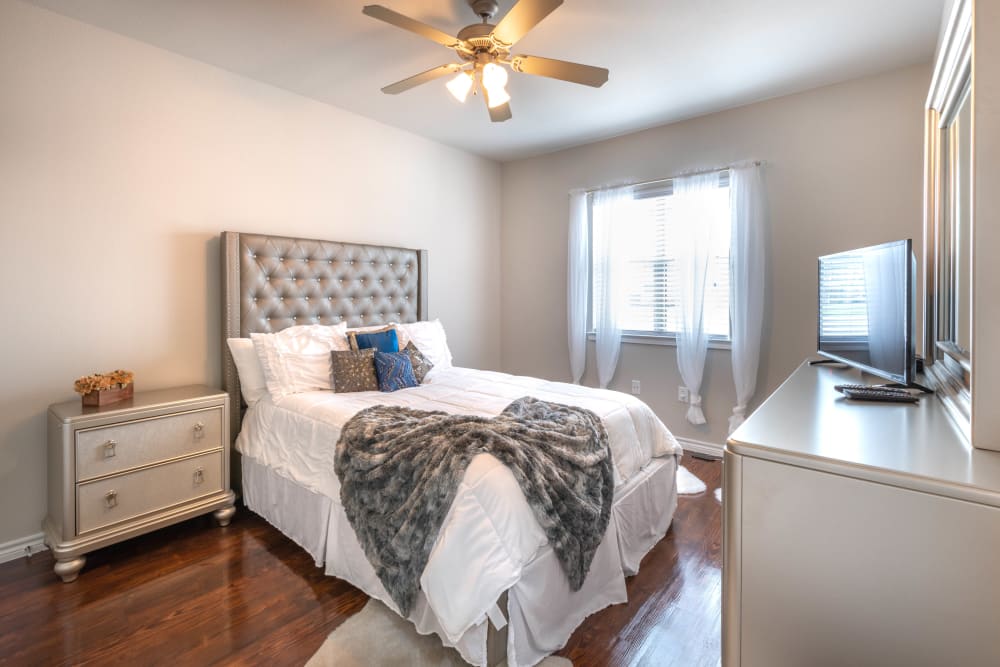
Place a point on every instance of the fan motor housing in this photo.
(484, 8)
(478, 36)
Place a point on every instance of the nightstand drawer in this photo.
(110, 449)
(107, 501)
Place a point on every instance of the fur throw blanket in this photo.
(400, 468)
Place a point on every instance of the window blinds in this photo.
(651, 265)
(843, 300)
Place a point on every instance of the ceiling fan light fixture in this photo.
(486, 51)
(460, 86)
(494, 77)
(494, 80)
(496, 97)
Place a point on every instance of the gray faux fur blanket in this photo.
(399, 470)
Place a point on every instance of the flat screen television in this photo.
(866, 306)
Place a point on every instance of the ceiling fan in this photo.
(485, 50)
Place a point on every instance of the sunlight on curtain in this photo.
(578, 289)
(696, 202)
(611, 211)
(886, 275)
(747, 265)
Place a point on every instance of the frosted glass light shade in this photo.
(494, 76)
(494, 80)
(460, 86)
(496, 97)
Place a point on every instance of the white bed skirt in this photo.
(542, 612)
(301, 514)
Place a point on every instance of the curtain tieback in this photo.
(694, 413)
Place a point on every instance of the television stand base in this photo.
(824, 362)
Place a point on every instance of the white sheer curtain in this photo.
(747, 259)
(577, 281)
(693, 205)
(886, 337)
(611, 209)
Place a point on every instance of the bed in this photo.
(492, 586)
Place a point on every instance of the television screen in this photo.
(866, 309)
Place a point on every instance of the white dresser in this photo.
(858, 534)
(125, 469)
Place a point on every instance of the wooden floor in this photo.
(196, 594)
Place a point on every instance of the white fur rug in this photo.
(376, 637)
(687, 483)
(718, 495)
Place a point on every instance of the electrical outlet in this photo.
(636, 387)
(683, 395)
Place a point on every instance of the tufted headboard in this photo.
(273, 282)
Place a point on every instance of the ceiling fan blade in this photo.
(406, 23)
(521, 18)
(560, 69)
(501, 113)
(423, 77)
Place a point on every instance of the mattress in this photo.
(490, 541)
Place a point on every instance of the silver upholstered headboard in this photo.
(273, 282)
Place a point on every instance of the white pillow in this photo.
(430, 339)
(253, 386)
(297, 359)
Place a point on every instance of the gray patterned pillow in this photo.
(353, 370)
(421, 366)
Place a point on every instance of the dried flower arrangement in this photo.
(105, 388)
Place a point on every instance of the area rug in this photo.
(687, 483)
(718, 495)
(376, 637)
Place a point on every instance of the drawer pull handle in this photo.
(110, 499)
(199, 476)
(199, 430)
(109, 449)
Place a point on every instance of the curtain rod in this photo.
(755, 163)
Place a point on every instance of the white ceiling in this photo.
(669, 59)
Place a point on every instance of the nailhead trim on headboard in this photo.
(285, 282)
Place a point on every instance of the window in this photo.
(650, 261)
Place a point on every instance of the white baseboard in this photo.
(701, 447)
(19, 548)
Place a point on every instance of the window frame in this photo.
(658, 188)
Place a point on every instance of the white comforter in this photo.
(490, 533)
(634, 431)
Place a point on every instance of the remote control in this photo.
(880, 394)
(842, 387)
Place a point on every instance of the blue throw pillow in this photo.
(394, 371)
(383, 341)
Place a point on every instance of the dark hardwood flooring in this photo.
(195, 594)
(674, 612)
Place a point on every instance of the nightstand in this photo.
(126, 469)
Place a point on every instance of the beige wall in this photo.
(119, 166)
(844, 166)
